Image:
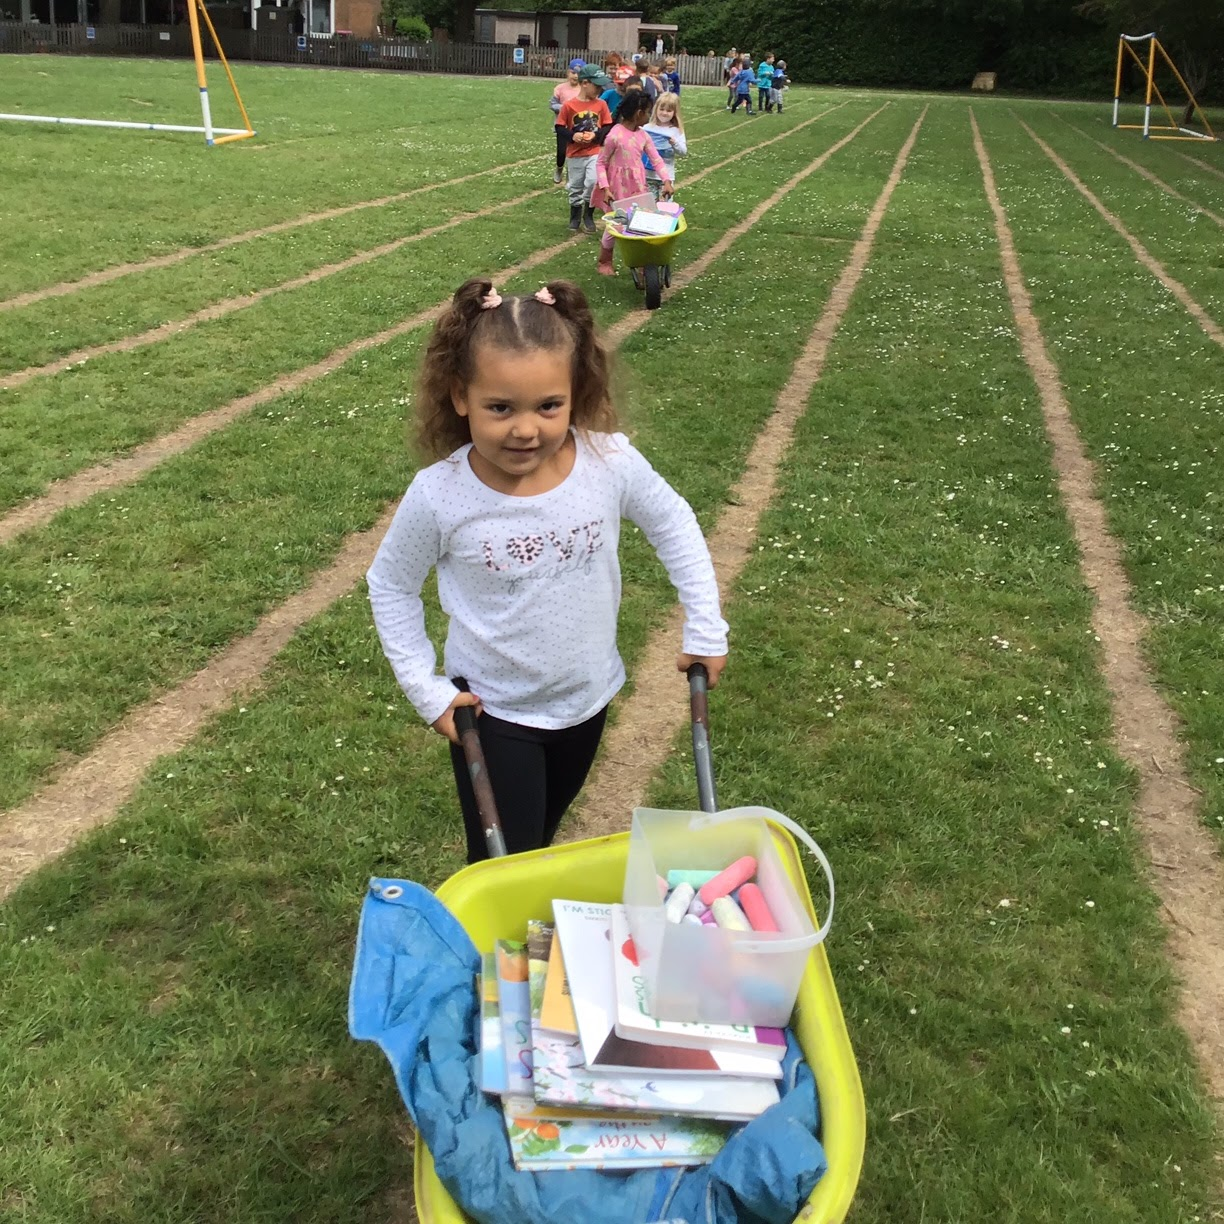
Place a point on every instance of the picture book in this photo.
(492, 1050)
(539, 940)
(514, 1003)
(543, 1139)
(585, 929)
(562, 1078)
(635, 1023)
(557, 1013)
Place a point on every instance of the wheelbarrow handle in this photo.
(699, 712)
(473, 754)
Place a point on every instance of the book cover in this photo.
(492, 1050)
(539, 941)
(585, 929)
(557, 1012)
(514, 1003)
(561, 1078)
(543, 1138)
(635, 1023)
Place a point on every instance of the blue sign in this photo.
(90, 33)
(301, 42)
(520, 55)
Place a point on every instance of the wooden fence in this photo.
(331, 51)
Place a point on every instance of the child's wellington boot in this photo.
(575, 217)
(588, 219)
(605, 261)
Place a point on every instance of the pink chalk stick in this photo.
(756, 908)
(741, 871)
(707, 919)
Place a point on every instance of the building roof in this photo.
(500, 12)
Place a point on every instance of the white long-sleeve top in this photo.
(532, 585)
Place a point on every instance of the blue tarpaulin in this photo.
(413, 993)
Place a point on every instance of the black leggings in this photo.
(562, 145)
(535, 776)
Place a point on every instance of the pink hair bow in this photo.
(491, 300)
(542, 295)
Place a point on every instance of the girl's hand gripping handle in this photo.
(699, 710)
(473, 754)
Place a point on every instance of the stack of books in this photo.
(587, 1078)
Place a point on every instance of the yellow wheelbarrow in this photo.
(647, 257)
(494, 899)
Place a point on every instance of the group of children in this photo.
(769, 77)
(616, 138)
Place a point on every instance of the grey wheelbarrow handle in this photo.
(486, 805)
(699, 712)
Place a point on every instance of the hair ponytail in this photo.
(517, 324)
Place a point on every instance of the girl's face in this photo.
(518, 410)
(571, 77)
(667, 113)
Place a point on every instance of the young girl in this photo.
(520, 515)
(560, 96)
(620, 171)
(666, 131)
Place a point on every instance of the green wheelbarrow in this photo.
(647, 257)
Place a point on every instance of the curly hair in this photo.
(519, 324)
(635, 102)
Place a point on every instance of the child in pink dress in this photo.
(620, 171)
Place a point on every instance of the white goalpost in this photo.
(212, 135)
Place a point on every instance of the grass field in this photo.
(915, 674)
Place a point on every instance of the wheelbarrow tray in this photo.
(641, 250)
(494, 899)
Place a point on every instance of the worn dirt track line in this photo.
(1202, 165)
(649, 718)
(230, 305)
(112, 474)
(690, 272)
(1142, 254)
(106, 275)
(1144, 172)
(219, 310)
(1186, 871)
(90, 792)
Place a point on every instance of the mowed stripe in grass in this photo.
(281, 254)
(140, 590)
(228, 1029)
(1146, 389)
(916, 680)
(327, 139)
(56, 428)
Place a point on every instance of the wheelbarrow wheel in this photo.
(654, 286)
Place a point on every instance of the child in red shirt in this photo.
(587, 119)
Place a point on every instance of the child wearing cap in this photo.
(560, 96)
(586, 119)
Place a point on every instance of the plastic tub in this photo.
(494, 899)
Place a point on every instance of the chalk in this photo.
(697, 906)
(732, 877)
(663, 889)
(695, 878)
(707, 919)
(756, 908)
(678, 903)
(691, 920)
(728, 915)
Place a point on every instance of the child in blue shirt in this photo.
(764, 81)
(743, 81)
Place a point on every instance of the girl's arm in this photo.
(670, 525)
(409, 550)
(678, 142)
(607, 151)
